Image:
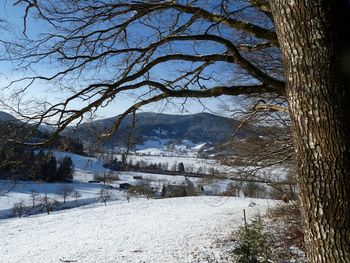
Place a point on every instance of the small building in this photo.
(137, 177)
(125, 186)
(94, 181)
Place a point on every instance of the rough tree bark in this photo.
(317, 90)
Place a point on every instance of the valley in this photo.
(167, 200)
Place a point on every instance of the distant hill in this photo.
(152, 130)
(6, 117)
(12, 129)
(197, 128)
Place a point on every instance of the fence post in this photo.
(245, 221)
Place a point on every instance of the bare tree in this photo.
(211, 48)
(258, 156)
(128, 196)
(76, 195)
(232, 190)
(65, 191)
(104, 195)
(48, 203)
(18, 208)
(107, 177)
(34, 197)
(253, 189)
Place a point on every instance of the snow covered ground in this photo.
(207, 166)
(83, 163)
(86, 167)
(22, 191)
(164, 230)
(191, 164)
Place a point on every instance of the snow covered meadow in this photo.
(183, 229)
(162, 230)
(12, 192)
(86, 168)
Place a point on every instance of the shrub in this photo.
(278, 237)
(231, 190)
(254, 190)
(252, 244)
(18, 208)
(140, 190)
(169, 191)
(107, 178)
(285, 223)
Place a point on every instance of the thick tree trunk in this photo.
(317, 89)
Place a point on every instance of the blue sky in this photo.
(51, 93)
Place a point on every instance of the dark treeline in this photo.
(24, 164)
(28, 163)
(18, 132)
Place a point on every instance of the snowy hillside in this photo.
(156, 130)
(84, 167)
(6, 117)
(22, 191)
(156, 146)
(165, 230)
(82, 162)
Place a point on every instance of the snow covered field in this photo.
(23, 189)
(164, 230)
(207, 166)
(85, 169)
(11, 193)
(83, 163)
(191, 164)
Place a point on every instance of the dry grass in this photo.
(285, 226)
(282, 232)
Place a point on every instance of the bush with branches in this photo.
(76, 195)
(104, 195)
(252, 244)
(48, 204)
(19, 208)
(140, 190)
(65, 191)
